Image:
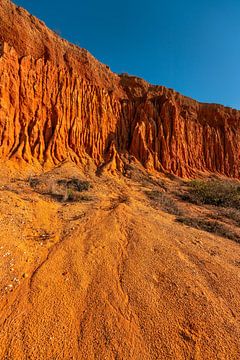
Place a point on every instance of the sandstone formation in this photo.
(57, 102)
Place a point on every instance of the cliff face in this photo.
(57, 102)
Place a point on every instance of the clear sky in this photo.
(192, 46)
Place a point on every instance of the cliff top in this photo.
(31, 37)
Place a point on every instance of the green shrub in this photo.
(213, 192)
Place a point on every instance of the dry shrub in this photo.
(224, 193)
(210, 226)
(164, 201)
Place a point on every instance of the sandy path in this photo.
(124, 281)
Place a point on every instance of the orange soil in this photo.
(112, 279)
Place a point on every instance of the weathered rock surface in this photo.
(57, 102)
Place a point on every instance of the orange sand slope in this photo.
(111, 277)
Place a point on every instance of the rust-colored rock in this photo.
(57, 102)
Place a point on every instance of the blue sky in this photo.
(192, 46)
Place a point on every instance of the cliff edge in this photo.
(57, 103)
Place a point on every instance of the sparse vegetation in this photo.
(219, 199)
(69, 196)
(33, 181)
(144, 178)
(75, 184)
(213, 192)
(164, 201)
(73, 196)
(227, 214)
(63, 190)
(209, 226)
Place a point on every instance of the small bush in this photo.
(64, 190)
(213, 192)
(73, 196)
(75, 184)
(164, 202)
(69, 196)
(209, 226)
(33, 181)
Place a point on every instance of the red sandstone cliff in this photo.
(57, 102)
